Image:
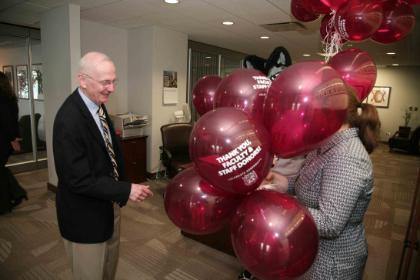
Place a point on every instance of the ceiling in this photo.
(201, 20)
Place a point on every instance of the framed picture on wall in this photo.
(170, 87)
(22, 86)
(37, 87)
(379, 96)
(8, 71)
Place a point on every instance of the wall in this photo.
(113, 42)
(151, 50)
(405, 92)
(60, 33)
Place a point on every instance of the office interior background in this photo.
(43, 41)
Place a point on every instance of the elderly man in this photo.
(90, 169)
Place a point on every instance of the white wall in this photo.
(405, 92)
(60, 34)
(113, 42)
(151, 50)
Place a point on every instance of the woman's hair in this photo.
(5, 87)
(365, 117)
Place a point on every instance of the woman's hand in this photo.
(274, 181)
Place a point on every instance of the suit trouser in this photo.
(96, 261)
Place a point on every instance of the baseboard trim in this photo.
(51, 187)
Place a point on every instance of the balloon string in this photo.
(332, 42)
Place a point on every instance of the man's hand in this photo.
(139, 192)
(16, 145)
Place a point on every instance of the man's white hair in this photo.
(89, 62)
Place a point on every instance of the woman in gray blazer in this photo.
(335, 183)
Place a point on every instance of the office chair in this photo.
(175, 147)
(409, 143)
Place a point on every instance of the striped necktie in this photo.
(108, 144)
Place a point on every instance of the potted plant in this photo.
(404, 131)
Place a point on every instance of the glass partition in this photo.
(20, 58)
(209, 60)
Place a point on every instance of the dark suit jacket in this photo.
(86, 189)
(9, 127)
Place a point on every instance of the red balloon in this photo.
(203, 93)
(302, 11)
(274, 236)
(305, 104)
(399, 20)
(357, 68)
(358, 19)
(230, 150)
(196, 206)
(412, 2)
(334, 4)
(318, 7)
(244, 89)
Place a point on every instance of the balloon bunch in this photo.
(245, 119)
(271, 109)
(385, 21)
(232, 146)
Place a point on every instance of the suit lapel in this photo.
(93, 128)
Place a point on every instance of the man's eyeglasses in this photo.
(103, 83)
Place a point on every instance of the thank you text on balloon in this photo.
(238, 157)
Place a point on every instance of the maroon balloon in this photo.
(195, 206)
(357, 20)
(412, 2)
(274, 236)
(357, 68)
(305, 104)
(244, 89)
(230, 150)
(203, 93)
(318, 7)
(334, 4)
(302, 11)
(398, 21)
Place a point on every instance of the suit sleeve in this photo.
(75, 170)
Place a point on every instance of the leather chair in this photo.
(409, 143)
(175, 147)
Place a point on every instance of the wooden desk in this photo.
(134, 152)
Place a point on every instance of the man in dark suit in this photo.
(90, 170)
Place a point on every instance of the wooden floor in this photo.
(153, 248)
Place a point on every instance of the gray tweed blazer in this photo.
(336, 184)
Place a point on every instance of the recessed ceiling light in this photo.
(395, 64)
(264, 37)
(171, 1)
(391, 53)
(227, 22)
(306, 54)
(207, 57)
